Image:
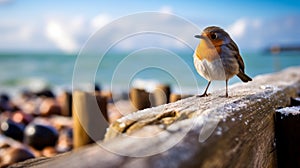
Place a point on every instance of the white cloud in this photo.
(68, 34)
(26, 32)
(61, 37)
(100, 21)
(166, 9)
(238, 28)
(250, 33)
(241, 26)
(164, 32)
(16, 34)
(149, 40)
(76, 24)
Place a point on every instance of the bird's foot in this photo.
(203, 95)
(225, 96)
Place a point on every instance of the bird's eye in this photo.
(214, 36)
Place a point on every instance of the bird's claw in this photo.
(203, 95)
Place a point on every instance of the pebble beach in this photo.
(40, 124)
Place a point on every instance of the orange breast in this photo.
(208, 51)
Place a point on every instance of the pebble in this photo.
(40, 136)
(14, 155)
(13, 130)
(49, 107)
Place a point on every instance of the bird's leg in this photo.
(205, 92)
(226, 95)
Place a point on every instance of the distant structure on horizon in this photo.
(276, 49)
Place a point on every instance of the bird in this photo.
(217, 57)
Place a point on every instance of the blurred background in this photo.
(40, 40)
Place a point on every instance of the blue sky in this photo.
(53, 25)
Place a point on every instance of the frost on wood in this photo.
(263, 92)
(295, 110)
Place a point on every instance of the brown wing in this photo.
(241, 74)
(232, 46)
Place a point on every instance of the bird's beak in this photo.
(198, 36)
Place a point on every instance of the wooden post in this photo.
(287, 126)
(89, 124)
(65, 101)
(139, 98)
(102, 104)
(175, 97)
(108, 95)
(161, 95)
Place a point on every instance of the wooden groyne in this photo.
(213, 131)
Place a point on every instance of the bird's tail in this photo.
(244, 77)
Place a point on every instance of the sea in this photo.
(119, 71)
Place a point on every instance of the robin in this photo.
(217, 57)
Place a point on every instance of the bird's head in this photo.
(215, 36)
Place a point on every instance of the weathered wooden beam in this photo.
(212, 131)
